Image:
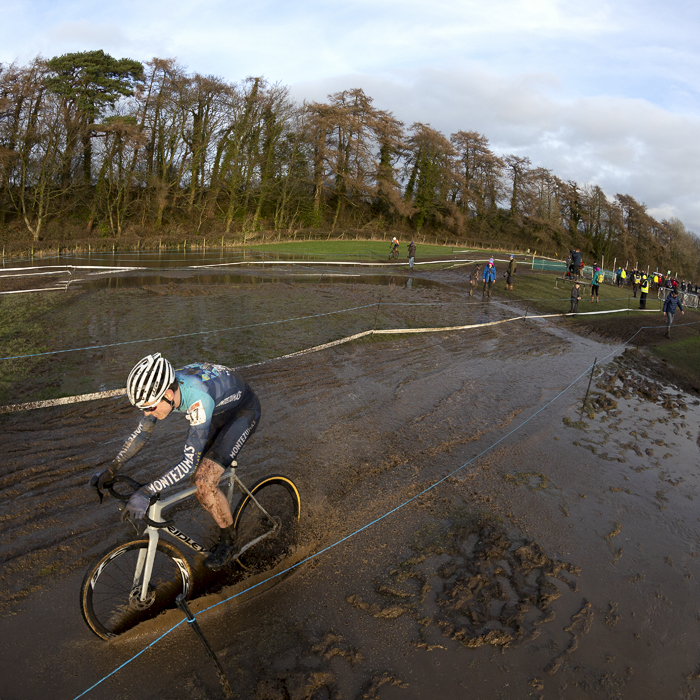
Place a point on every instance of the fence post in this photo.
(192, 620)
(590, 379)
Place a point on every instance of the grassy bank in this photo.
(681, 354)
(376, 251)
(540, 291)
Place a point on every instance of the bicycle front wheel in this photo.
(110, 593)
(279, 497)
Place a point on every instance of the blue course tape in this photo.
(186, 335)
(381, 517)
(285, 320)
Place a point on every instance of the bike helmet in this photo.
(149, 380)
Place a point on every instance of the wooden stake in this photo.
(585, 398)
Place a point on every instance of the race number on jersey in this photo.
(196, 414)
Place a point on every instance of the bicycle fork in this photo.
(144, 565)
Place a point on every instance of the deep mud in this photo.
(562, 563)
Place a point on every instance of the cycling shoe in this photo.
(221, 555)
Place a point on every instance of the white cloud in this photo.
(86, 34)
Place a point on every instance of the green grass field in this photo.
(537, 288)
(369, 250)
(684, 355)
(540, 290)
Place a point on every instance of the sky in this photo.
(599, 92)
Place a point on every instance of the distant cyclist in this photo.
(223, 412)
(395, 247)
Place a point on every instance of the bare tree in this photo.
(518, 172)
(480, 171)
(32, 138)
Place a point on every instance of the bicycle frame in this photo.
(144, 564)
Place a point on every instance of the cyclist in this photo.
(395, 247)
(223, 412)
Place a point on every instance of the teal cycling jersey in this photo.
(206, 390)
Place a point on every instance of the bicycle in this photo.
(138, 580)
(394, 253)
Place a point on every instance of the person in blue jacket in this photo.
(489, 278)
(222, 411)
(670, 305)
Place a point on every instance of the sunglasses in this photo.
(150, 409)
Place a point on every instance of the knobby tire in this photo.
(280, 498)
(106, 602)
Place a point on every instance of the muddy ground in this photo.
(557, 558)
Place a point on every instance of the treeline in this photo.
(115, 148)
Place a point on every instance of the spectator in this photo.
(636, 281)
(644, 286)
(575, 297)
(577, 260)
(473, 278)
(512, 269)
(598, 277)
(489, 277)
(411, 254)
(670, 305)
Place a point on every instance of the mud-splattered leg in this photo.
(213, 500)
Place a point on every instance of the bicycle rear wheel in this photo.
(279, 496)
(109, 596)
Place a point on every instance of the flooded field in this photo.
(557, 557)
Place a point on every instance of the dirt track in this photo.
(560, 564)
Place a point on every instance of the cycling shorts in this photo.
(229, 431)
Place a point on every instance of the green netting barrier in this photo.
(548, 265)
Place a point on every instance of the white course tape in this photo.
(37, 274)
(15, 408)
(63, 401)
(46, 289)
(66, 268)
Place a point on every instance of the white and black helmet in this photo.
(149, 380)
